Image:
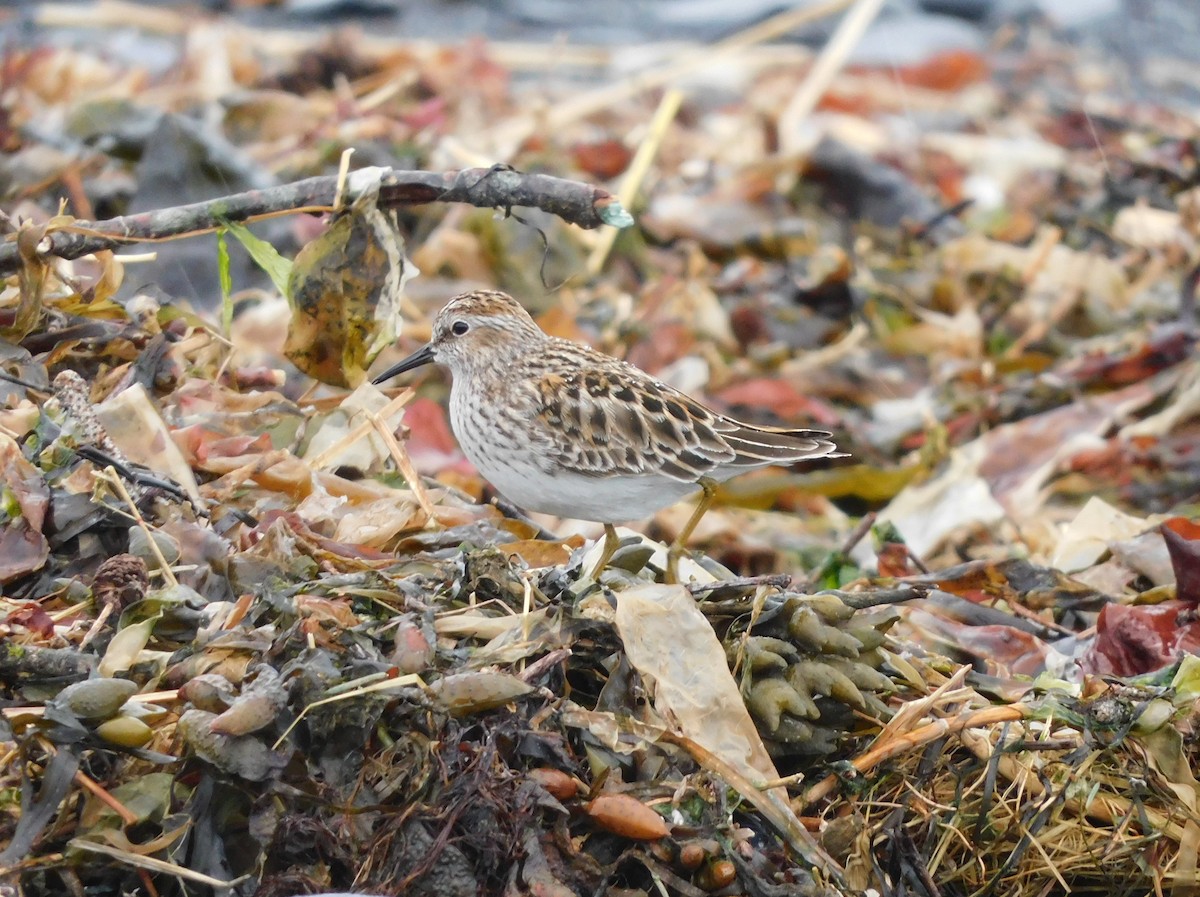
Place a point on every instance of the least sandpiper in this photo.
(560, 428)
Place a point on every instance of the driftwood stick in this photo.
(496, 187)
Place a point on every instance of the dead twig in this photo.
(499, 187)
(778, 580)
(878, 597)
(856, 536)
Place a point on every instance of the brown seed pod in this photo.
(262, 699)
(716, 875)
(96, 698)
(120, 581)
(691, 855)
(628, 817)
(125, 731)
(414, 648)
(558, 783)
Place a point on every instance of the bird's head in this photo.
(474, 330)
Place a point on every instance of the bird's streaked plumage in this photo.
(560, 428)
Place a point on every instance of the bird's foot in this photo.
(611, 543)
(675, 553)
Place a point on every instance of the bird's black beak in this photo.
(423, 355)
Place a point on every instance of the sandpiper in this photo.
(560, 428)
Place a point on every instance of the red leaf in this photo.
(22, 550)
(429, 114)
(779, 397)
(603, 159)
(1183, 545)
(430, 444)
(666, 342)
(893, 559)
(1134, 640)
(949, 71)
(232, 446)
(33, 618)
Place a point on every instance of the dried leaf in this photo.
(22, 550)
(133, 422)
(22, 482)
(345, 290)
(672, 644)
(122, 652)
(1135, 640)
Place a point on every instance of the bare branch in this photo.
(497, 187)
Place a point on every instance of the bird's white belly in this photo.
(615, 499)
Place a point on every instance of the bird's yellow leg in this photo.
(679, 546)
(611, 541)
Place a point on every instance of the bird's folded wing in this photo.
(606, 421)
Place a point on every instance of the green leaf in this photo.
(226, 282)
(265, 256)
(1187, 680)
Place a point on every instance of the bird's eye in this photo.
(458, 328)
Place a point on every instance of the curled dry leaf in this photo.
(23, 548)
(261, 701)
(1131, 641)
(1085, 540)
(414, 647)
(473, 692)
(1148, 228)
(208, 691)
(338, 438)
(239, 755)
(667, 638)
(376, 523)
(628, 817)
(1183, 545)
(319, 610)
(540, 553)
(133, 422)
(345, 288)
(25, 482)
